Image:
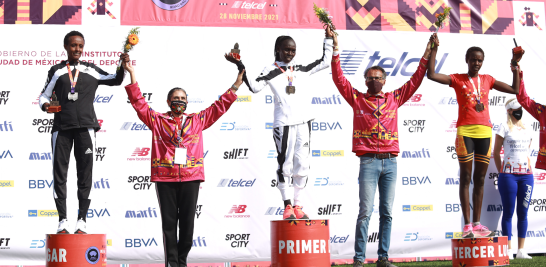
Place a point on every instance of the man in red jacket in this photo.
(375, 141)
(177, 160)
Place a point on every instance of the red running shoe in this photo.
(288, 213)
(299, 213)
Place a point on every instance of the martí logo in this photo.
(170, 4)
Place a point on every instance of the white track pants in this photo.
(293, 144)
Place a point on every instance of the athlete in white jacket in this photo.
(292, 122)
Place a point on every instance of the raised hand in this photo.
(124, 58)
(517, 56)
(128, 66)
(231, 58)
(330, 33)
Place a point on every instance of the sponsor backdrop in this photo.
(239, 197)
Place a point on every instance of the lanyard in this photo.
(291, 77)
(72, 81)
(179, 139)
(476, 92)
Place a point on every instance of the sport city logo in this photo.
(134, 126)
(416, 207)
(235, 183)
(39, 156)
(4, 97)
(140, 242)
(539, 205)
(236, 153)
(327, 182)
(43, 213)
(170, 5)
(331, 209)
(139, 214)
(147, 97)
(140, 182)
(327, 153)
(333, 100)
(238, 210)
(6, 126)
(139, 154)
(44, 125)
(454, 235)
(7, 183)
(424, 153)
(92, 255)
(230, 126)
(415, 180)
(415, 126)
(5, 154)
(198, 210)
(325, 126)
(238, 240)
(100, 152)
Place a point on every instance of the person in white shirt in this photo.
(515, 174)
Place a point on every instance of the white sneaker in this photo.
(511, 254)
(81, 227)
(522, 254)
(63, 226)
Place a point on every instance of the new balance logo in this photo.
(88, 151)
(141, 152)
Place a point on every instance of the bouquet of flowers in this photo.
(324, 16)
(442, 18)
(130, 41)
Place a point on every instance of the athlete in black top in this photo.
(75, 124)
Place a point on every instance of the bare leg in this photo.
(466, 175)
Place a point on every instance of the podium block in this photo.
(75, 250)
(300, 243)
(474, 252)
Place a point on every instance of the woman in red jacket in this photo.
(177, 160)
(474, 136)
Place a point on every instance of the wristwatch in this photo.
(234, 87)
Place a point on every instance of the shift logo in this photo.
(102, 184)
(236, 183)
(238, 240)
(5, 154)
(423, 153)
(140, 242)
(416, 208)
(4, 97)
(139, 154)
(140, 182)
(327, 182)
(147, 97)
(103, 99)
(416, 237)
(136, 214)
(230, 126)
(134, 126)
(539, 204)
(239, 211)
(448, 101)
(7, 183)
(491, 208)
(331, 209)
(236, 153)
(274, 211)
(4, 243)
(248, 5)
(198, 210)
(497, 101)
(94, 213)
(454, 235)
(199, 242)
(37, 243)
(415, 126)
(40, 156)
(333, 100)
(43, 125)
(327, 153)
(100, 152)
(325, 126)
(415, 180)
(373, 237)
(338, 239)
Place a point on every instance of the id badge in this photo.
(180, 155)
(73, 96)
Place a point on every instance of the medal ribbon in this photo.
(291, 77)
(476, 92)
(176, 137)
(74, 80)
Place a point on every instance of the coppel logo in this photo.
(452, 235)
(268, 125)
(7, 183)
(417, 208)
(43, 213)
(327, 153)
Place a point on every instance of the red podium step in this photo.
(75, 250)
(474, 252)
(300, 243)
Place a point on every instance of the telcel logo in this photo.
(247, 5)
(103, 99)
(133, 126)
(416, 207)
(327, 153)
(339, 239)
(401, 65)
(235, 183)
(43, 213)
(7, 183)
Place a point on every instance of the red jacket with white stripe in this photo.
(164, 143)
(538, 112)
(375, 118)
